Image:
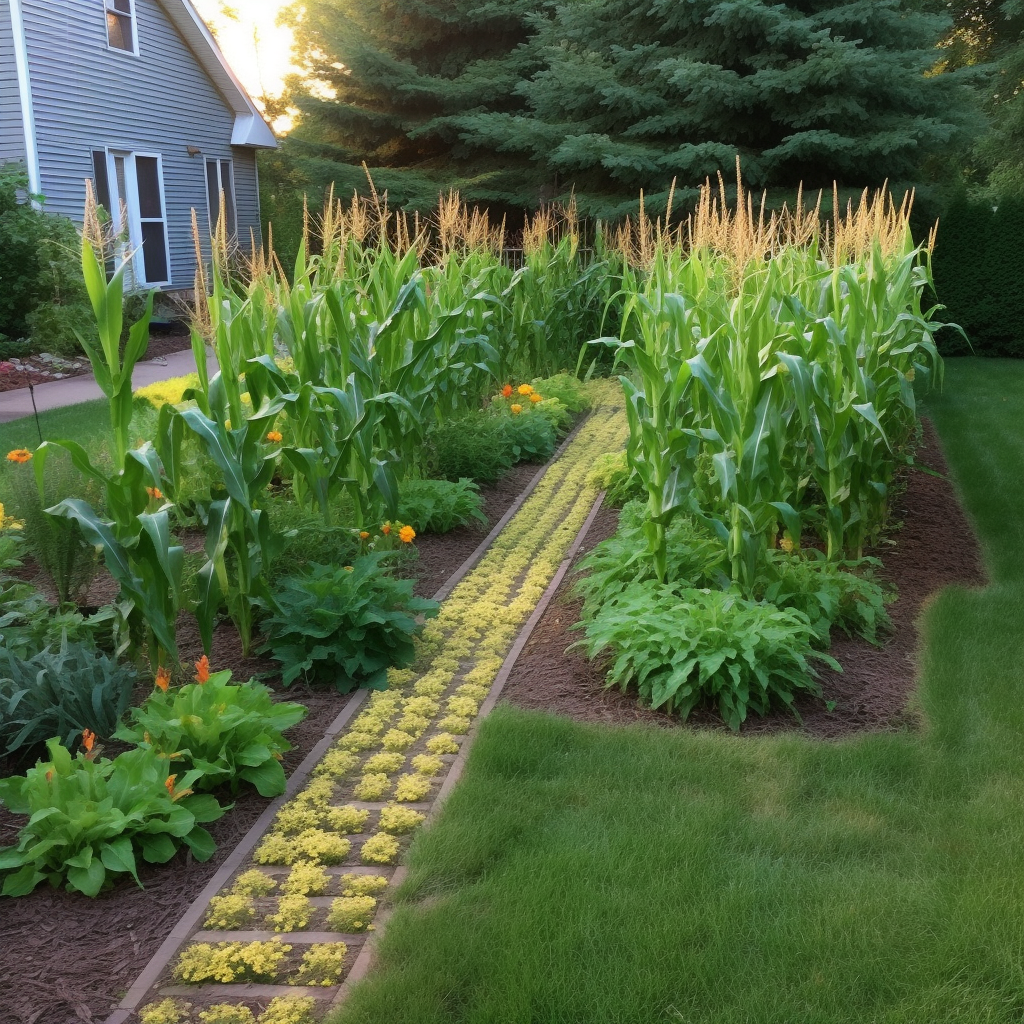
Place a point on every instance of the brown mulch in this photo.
(934, 547)
(33, 370)
(66, 958)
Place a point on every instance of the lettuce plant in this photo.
(344, 626)
(681, 646)
(90, 819)
(227, 733)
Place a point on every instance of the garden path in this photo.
(74, 390)
(324, 864)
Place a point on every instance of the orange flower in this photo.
(535, 398)
(203, 670)
(88, 740)
(19, 455)
(386, 529)
(274, 437)
(49, 775)
(169, 785)
(506, 391)
(516, 410)
(525, 389)
(363, 535)
(163, 679)
(155, 493)
(407, 534)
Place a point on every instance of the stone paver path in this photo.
(293, 921)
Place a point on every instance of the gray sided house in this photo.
(136, 96)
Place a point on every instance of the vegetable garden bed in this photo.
(66, 957)
(931, 546)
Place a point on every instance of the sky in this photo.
(257, 49)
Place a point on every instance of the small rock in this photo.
(58, 376)
(45, 357)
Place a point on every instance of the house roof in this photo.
(250, 128)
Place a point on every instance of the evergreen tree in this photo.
(634, 95)
(382, 78)
(524, 101)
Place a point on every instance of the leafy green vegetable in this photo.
(695, 558)
(60, 693)
(681, 646)
(89, 820)
(437, 506)
(344, 626)
(225, 732)
(826, 592)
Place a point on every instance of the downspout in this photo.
(28, 118)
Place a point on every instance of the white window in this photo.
(134, 190)
(220, 185)
(121, 26)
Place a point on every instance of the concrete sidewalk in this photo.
(72, 390)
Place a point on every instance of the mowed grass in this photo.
(583, 875)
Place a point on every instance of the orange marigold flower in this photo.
(363, 535)
(506, 391)
(88, 740)
(163, 679)
(535, 398)
(203, 670)
(19, 455)
(525, 389)
(386, 529)
(407, 534)
(516, 410)
(169, 785)
(155, 493)
(274, 437)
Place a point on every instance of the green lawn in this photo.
(589, 875)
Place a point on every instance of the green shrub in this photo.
(438, 506)
(474, 447)
(978, 267)
(344, 626)
(695, 559)
(680, 646)
(60, 693)
(828, 593)
(42, 291)
(226, 733)
(90, 819)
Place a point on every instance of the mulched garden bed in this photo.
(19, 373)
(935, 547)
(66, 958)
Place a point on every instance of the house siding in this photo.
(88, 97)
(12, 131)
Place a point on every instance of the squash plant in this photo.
(225, 732)
(90, 819)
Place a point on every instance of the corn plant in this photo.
(138, 547)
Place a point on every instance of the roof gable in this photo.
(250, 128)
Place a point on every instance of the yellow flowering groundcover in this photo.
(394, 751)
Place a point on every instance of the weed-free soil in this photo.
(66, 958)
(933, 547)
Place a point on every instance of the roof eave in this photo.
(250, 128)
